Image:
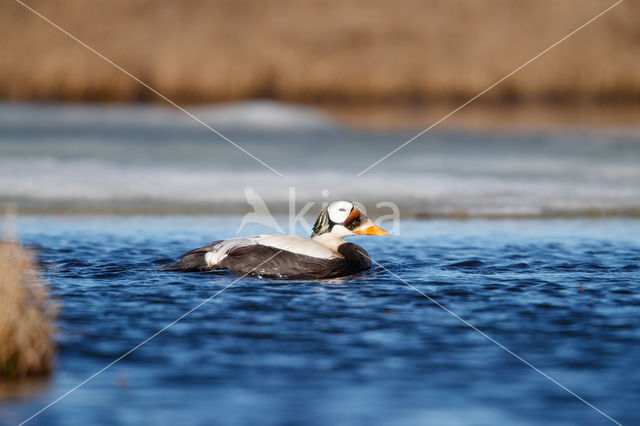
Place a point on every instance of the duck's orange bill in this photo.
(372, 230)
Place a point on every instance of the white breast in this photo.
(291, 243)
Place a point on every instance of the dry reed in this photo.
(322, 51)
(26, 316)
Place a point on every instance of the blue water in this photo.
(366, 349)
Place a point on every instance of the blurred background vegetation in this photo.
(354, 57)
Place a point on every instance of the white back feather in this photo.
(291, 243)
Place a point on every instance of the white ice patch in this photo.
(267, 115)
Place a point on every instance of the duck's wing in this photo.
(207, 257)
(212, 255)
(205, 249)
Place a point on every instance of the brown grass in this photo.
(325, 52)
(26, 316)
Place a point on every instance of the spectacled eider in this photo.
(324, 255)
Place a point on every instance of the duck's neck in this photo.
(329, 240)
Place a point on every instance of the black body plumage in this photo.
(271, 262)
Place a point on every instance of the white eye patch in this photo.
(339, 211)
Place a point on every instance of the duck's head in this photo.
(342, 219)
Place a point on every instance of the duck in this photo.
(324, 255)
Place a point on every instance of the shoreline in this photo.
(487, 116)
(237, 209)
(477, 116)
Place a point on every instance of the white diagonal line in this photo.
(500, 345)
(88, 379)
(490, 87)
(148, 87)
